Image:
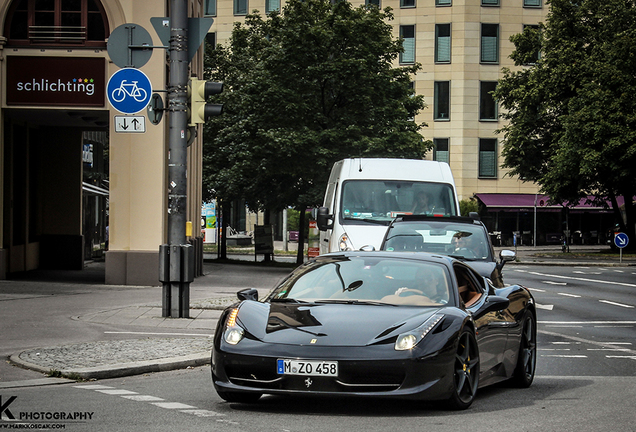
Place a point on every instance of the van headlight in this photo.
(408, 340)
(344, 244)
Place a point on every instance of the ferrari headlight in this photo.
(407, 341)
(233, 335)
(233, 332)
(345, 243)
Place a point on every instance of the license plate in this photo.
(307, 367)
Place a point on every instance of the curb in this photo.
(122, 369)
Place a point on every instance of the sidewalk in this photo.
(187, 342)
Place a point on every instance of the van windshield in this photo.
(383, 200)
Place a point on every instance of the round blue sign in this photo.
(621, 240)
(129, 90)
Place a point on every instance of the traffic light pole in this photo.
(176, 259)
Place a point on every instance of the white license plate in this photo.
(307, 367)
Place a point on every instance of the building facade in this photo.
(462, 46)
(76, 185)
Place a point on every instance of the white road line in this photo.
(616, 343)
(564, 355)
(117, 392)
(586, 322)
(144, 398)
(202, 413)
(622, 357)
(536, 289)
(554, 283)
(569, 295)
(173, 405)
(616, 304)
(546, 307)
(584, 279)
(158, 334)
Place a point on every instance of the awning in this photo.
(528, 202)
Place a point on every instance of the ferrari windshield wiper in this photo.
(287, 300)
(356, 302)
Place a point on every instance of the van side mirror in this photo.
(324, 219)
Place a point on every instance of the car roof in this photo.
(425, 218)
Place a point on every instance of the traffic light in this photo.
(199, 91)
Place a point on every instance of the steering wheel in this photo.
(403, 290)
(466, 253)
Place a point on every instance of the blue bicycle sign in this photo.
(129, 90)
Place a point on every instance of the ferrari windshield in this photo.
(464, 241)
(383, 200)
(367, 280)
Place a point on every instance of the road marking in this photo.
(554, 283)
(158, 334)
(117, 392)
(622, 357)
(143, 398)
(153, 400)
(173, 405)
(584, 279)
(545, 307)
(616, 304)
(581, 272)
(576, 339)
(564, 355)
(587, 322)
(535, 289)
(569, 295)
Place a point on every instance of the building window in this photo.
(372, 2)
(490, 2)
(487, 103)
(442, 43)
(240, 7)
(490, 43)
(407, 3)
(441, 103)
(443, 3)
(487, 158)
(210, 8)
(272, 5)
(56, 22)
(440, 150)
(532, 3)
(407, 34)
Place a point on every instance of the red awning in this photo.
(521, 202)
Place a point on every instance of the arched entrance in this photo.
(54, 135)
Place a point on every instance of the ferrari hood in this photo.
(330, 324)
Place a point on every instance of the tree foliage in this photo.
(572, 114)
(305, 87)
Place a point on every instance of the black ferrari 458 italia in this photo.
(376, 324)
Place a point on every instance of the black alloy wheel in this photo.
(466, 371)
(527, 361)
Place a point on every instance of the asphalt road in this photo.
(586, 373)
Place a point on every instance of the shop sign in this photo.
(56, 81)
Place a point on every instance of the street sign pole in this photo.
(177, 258)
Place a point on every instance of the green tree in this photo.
(305, 87)
(572, 114)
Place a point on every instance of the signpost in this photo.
(130, 124)
(129, 90)
(621, 240)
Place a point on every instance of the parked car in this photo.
(376, 324)
(463, 238)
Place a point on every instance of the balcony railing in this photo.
(39, 34)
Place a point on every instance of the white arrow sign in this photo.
(130, 124)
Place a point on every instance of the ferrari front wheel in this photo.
(239, 397)
(465, 372)
(527, 360)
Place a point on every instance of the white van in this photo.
(364, 194)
